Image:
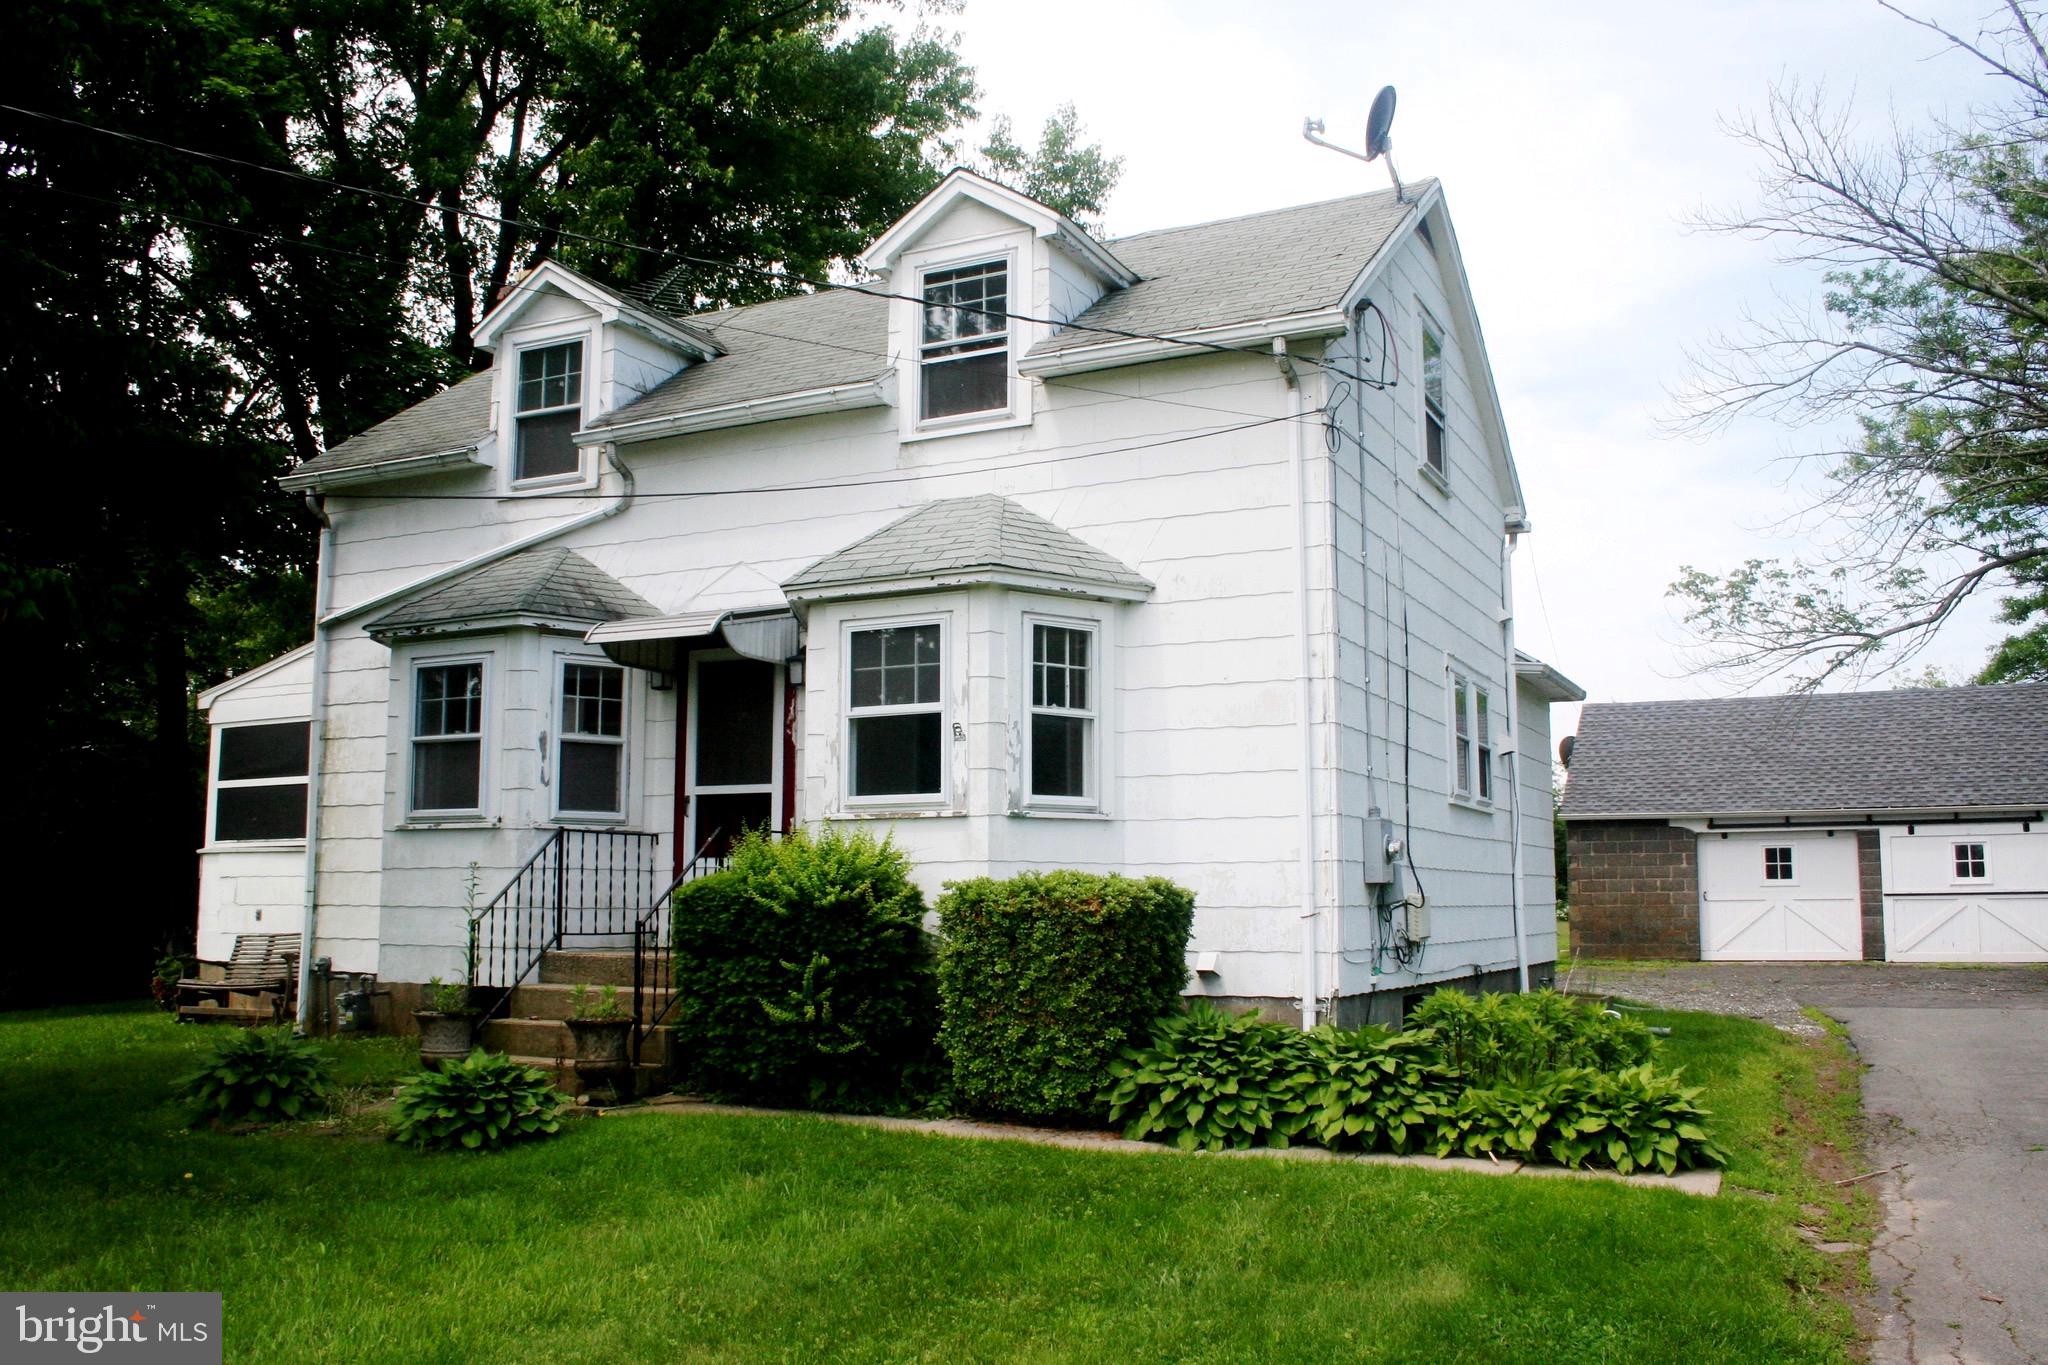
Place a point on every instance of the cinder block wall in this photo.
(1635, 889)
(1870, 879)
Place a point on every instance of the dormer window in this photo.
(964, 350)
(550, 408)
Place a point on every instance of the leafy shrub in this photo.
(262, 1074)
(1633, 1120)
(482, 1102)
(1372, 1089)
(1047, 976)
(803, 973)
(603, 1008)
(1498, 1039)
(1213, 1080)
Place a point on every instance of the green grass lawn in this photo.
(685, 1238)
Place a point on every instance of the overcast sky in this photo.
(1573, 140)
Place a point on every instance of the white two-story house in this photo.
(1185, 553)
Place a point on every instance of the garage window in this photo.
(1778, 863)
(1970, 864)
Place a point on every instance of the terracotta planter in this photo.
(444, 1037)
(604, 1064)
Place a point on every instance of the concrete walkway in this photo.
(1957, 1098)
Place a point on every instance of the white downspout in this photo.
(324, 619)
(1507, 601)
(1304, 687)
(316, 746)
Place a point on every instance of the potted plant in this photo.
(603, 1032)
(447, 1024)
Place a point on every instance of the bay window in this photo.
(895, 712)
(1063, 701)
(590, 762)
(448, 738)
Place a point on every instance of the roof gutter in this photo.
(1897, 815)
(1106, 355)
(321, 480)
(868, 393)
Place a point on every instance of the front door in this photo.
(733, 751)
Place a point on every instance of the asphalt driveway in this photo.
(1957, 1098)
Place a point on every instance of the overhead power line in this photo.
(710, 262)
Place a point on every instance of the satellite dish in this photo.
(1379, 124)
(1564, 749)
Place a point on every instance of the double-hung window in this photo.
(590, 766)
(1063, 701)
(549, 409)
(1471, 739)
(1433, 457)
(895, 713)
(259, 782)
(964, 344)
(448, 738)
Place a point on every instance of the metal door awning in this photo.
(657, 643)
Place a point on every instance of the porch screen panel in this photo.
(736, 723)
(260, 782)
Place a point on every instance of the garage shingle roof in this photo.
(963, 535)
(1925, 749)
(546, 583)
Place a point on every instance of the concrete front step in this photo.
(550, 1000)
(592, 967)
(551, 1038)
(648, 1079)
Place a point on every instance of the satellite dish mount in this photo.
(1379, 141)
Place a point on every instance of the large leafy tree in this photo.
(237, 231)
(1930, 346)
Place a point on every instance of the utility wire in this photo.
(709, 262)
(983, 466)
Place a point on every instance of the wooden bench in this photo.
(265, 966)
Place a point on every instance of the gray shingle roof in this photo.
(456, 418)
(1933, 749)
(547, 582)
(1264, 265)
(806, 341)
(962, 535)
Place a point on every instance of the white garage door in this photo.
(1966, 893)
(1779, 897)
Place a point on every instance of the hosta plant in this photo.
(1632, 1119)
(1371, 1089)
(258, 1074)
(1501, 1039)
(1212, 1080)
(484, 1101)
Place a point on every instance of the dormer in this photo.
(565, 350)
(982, 258)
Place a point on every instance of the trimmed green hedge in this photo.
(803, 973)
(1047, 976)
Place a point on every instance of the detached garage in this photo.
(1901, 826)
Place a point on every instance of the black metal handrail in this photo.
(654, 994)
(579, 884)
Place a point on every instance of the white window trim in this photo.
(214, 784)
(691, 788)
(1763, 865)
(954, 255)
(1093, 713)
(1955, 879)
(1468, 795)
(515, 344)
(486, 731)
(1439, 479)
(915, 801)
(556, 735)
